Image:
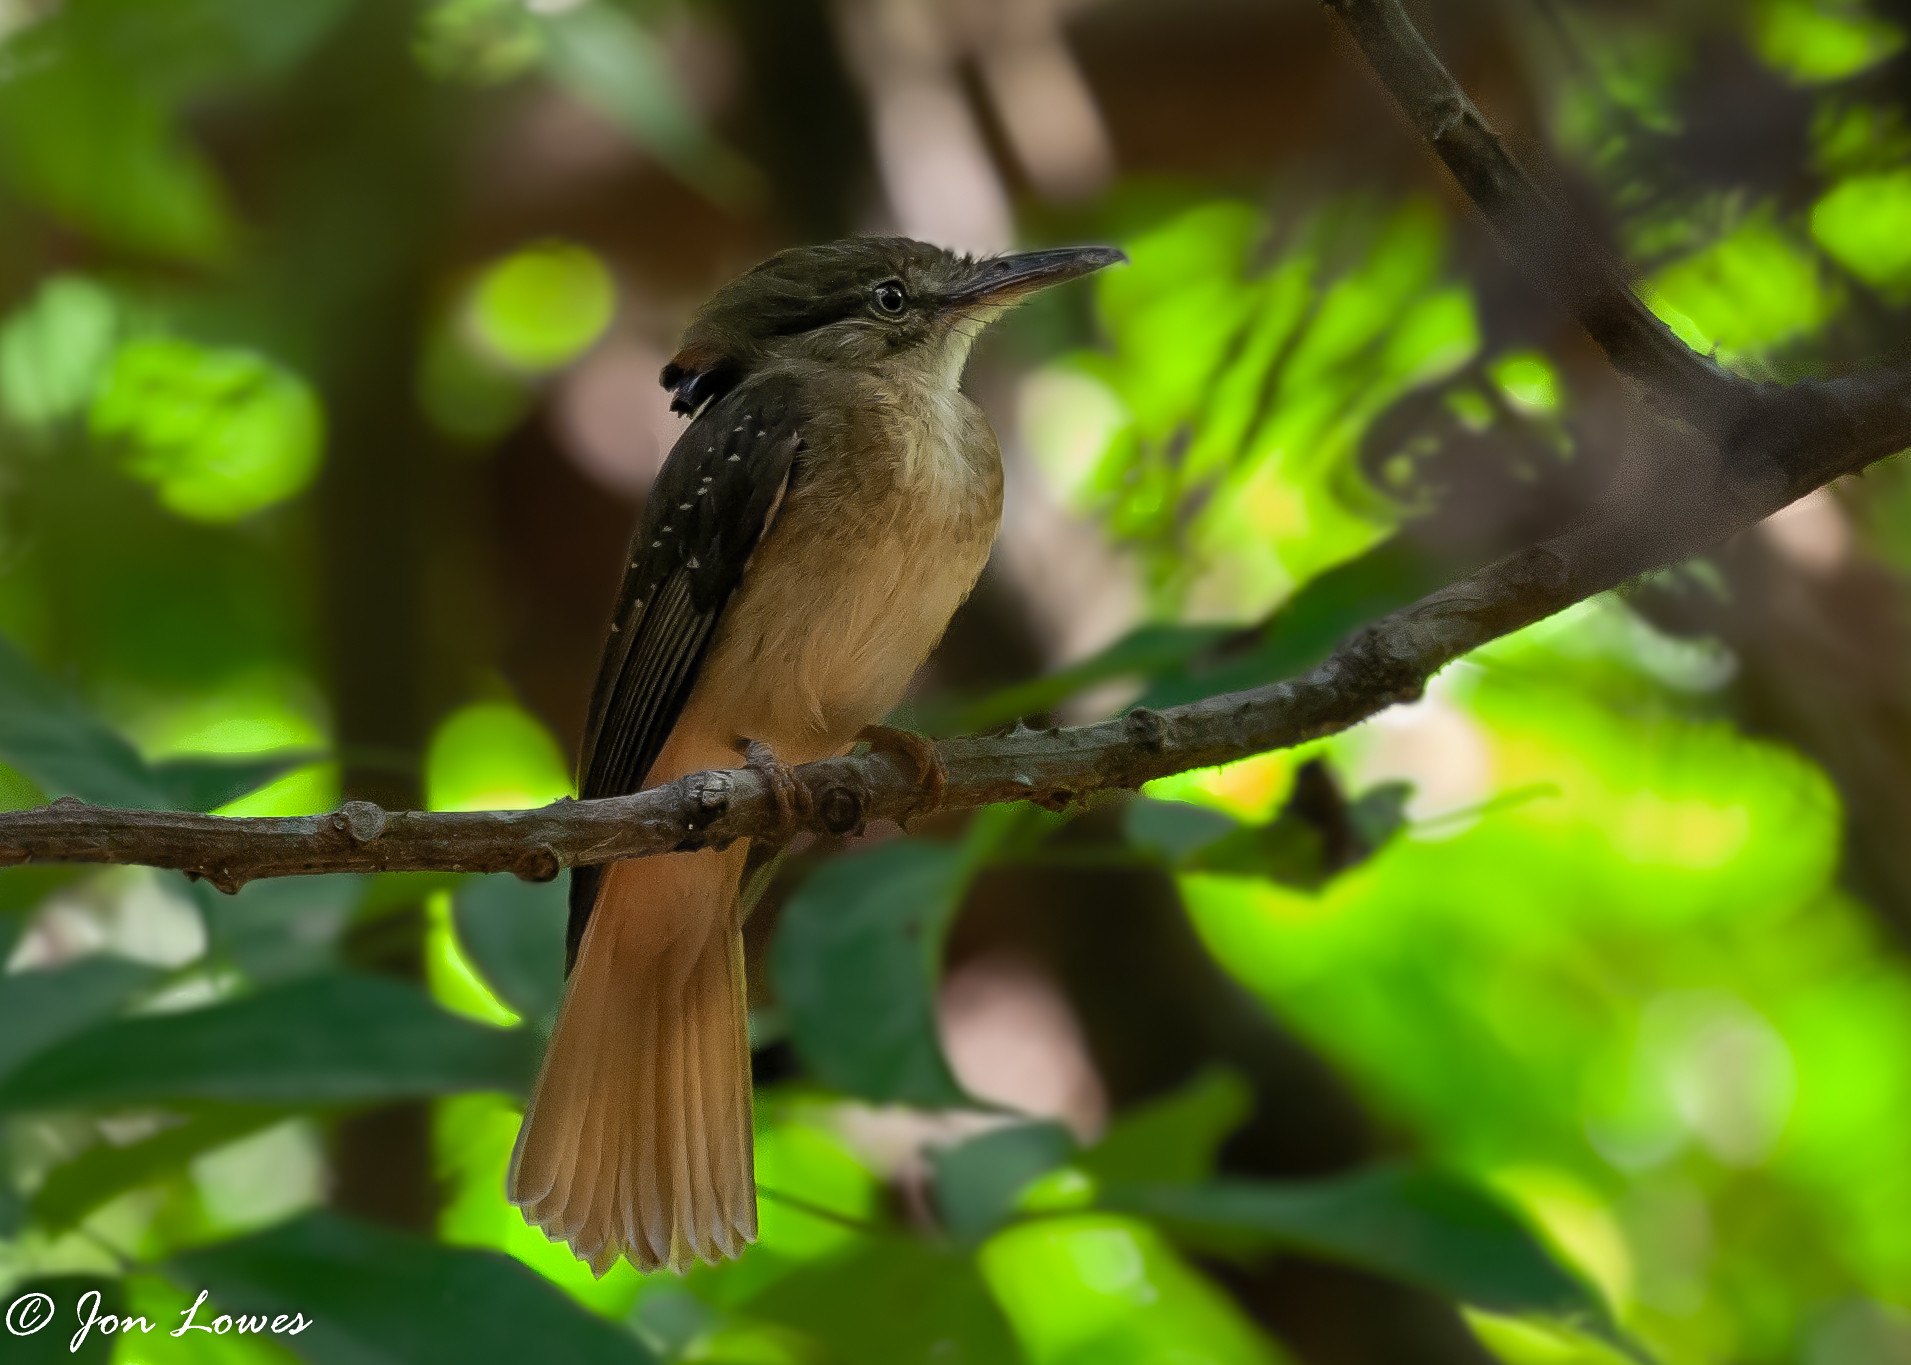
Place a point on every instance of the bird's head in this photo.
(866, 302)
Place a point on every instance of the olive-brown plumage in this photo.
(827, 509)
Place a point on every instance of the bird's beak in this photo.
(1003, 280)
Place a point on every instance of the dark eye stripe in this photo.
(817, 313)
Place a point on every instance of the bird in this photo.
(830, 504)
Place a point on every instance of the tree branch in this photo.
(1762, 431)
(1550, 247)
(1763, 446)
(1056, 766)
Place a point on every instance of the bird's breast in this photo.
(869, 557)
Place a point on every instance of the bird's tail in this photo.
(637, 1138)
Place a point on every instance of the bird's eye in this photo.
(889, 298)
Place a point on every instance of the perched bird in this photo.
(821, 518)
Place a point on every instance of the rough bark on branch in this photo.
(1748, 450)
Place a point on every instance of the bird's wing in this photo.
(714, 498)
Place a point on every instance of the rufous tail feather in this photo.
(636, 1141)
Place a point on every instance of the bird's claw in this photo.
(919, 751)
(787, 794)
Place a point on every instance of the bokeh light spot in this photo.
(1822, 40)
(1864, 223)
(493, 756)
(1528, 379)
(53, 350)
(1748, 292)
(219, 434)
(478, 42)
(543, 306)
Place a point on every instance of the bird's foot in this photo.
(790, 797)
(919, 751)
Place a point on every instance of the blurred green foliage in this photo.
(1638, 1055)
(1247, 359)
(1812, 42)
(219, 434)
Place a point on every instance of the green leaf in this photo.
(376, 1297)
(13, 1211)
(1306, 627)
(106, 1170)
(513, 932)
(90, 129)
(1174, 831)
(96, 151)
(1421, 1227)
(1290, 849)
(1172, 1139)
(47, 734)
(243, 38)
(280, 928)
(1318, 833)
(26, 888)
(1097, 1289)
(335, 1039)
(40, 1008)
(185, 46)
(856, 957)
(66, 1301)
(893, 1302)
(1142, 653)
(605, 57)
(51, 737)
(858, 953)
(205, 782)
(977, 1181)
(1380, 812)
